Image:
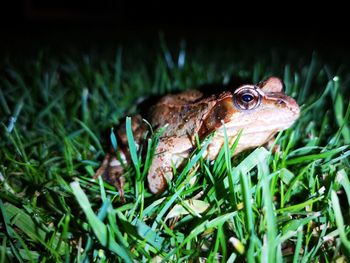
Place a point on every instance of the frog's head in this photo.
(259, 110)
(265, 105)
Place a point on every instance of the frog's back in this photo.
(183, 112)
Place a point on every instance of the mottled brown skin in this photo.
(188, 117)
(259, 111)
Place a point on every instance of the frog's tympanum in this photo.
(259, 111)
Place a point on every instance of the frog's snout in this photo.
(288, 103)
(294, 107)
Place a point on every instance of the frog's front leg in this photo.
(170, 152)
(271, 145)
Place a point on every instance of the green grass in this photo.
(288, 206)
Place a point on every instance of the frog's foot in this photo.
(115, 177)
(158, 177)
(271, 145)
(111, 170)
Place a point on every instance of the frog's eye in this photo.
(246, 98)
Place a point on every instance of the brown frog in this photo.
(259, 111)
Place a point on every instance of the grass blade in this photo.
(340, 221)
(132, 148)
(99, 228)
(269, 214)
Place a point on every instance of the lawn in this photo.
(57, 111)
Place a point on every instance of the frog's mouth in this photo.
(257, 127)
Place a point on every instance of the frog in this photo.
(255, 112)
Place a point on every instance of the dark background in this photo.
(310, 26)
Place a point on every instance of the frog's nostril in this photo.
(295, 110)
